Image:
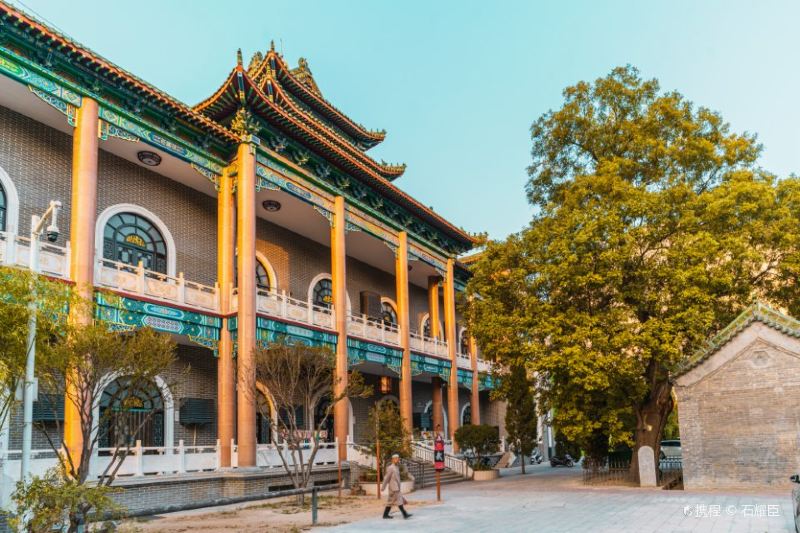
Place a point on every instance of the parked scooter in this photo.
(562, 461)
(536, 457)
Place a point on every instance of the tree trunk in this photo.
(521, 456)
(651, 417)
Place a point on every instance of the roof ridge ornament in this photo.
(239, 62)
(244, 124)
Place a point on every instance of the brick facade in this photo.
(190, 216)
(38, 160)
(738, 412)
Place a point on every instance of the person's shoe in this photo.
(407, 516)
(386, 516)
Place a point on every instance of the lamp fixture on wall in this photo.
(151, 159)
(386, 384)
(271, 206)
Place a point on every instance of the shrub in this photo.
(481, 440)
(56, 501)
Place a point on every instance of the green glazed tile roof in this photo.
(756, 312)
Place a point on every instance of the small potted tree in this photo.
(385, 425)
(478, 442)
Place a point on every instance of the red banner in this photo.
(438, 453)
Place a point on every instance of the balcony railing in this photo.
(170, 289)
(279, 305)
(428, 345)
(16, 251)
(373, 329)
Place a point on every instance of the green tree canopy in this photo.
(653, 229)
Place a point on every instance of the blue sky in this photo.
(458, 83)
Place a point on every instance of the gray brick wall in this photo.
(191, 216)
(298, 260)
(38, 159)
(195, 376)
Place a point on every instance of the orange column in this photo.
(401, 276)
(85, 144)
(450, 335)
(246, 318)
(433, 305)
(436, 382)
(475, 401)
(341, 413)
(226, 389)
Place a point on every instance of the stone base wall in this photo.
(142, 496)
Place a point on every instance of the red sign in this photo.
(438, 453)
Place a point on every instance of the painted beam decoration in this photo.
(118, 119)
(115, 122)
(432, 365)
(127, 313)
(359, 352)
(274, 332)
(465, 377)
(487, 382)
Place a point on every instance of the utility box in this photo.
(371, 304)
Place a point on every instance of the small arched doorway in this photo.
(263, 421)
(130, 413)
(466, 415)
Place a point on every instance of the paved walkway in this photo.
(554, 500)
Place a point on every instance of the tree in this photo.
(49, 499)
(517, 390)
(18, 288)
(94, 357)
(299, 375)
(385, 425)
(480, 439)
(653, 229)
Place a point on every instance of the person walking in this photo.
(391, 480)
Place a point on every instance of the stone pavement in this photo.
(554, 500)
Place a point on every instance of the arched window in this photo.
(426, 327)
(129, 238)
(464, 342)
(388, 314)
(129, 413)
(262, 277)
(3, 208)
(323, 293)
(466, 415)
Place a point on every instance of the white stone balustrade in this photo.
(373, 329)
(463, 360)
(268, 456)
(16, 251)
(428, 345)
(140, 461)
(136, 280)
(278, 304)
